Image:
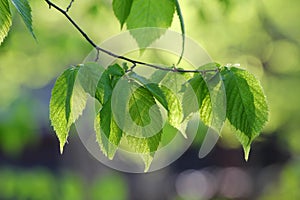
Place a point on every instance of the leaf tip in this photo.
(184, 134)
(121, 25)
(246, 152)
(147, 161)
(111, 156)
(61, 148)
(62, 143)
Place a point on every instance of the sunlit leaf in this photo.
(24, 10)
(107, 81)
(153, 88)
(146, 147)
(5, 19)
(139, 116)
(89, 75)
(66, 104)
(175, 114)
(171, 85)
(247, 108)
(149, 13)
(199, 90)
(122, 9)
(108, 133)
(143, 109)
(210, 100)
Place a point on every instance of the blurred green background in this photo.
(263, 36)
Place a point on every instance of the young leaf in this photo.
(158, 76)
(149, 13)
(146, 147)
(66, 104)
(5, 19)
(122, 9)
(153, 88)
(108, 133)
(247, 108)
(115, 70)
(89, 75)
(199, 89)
(104, 88)
(144, 111)
(175, 114)
(171, 85)
(210, 100)
(24, 10)
(107, 81)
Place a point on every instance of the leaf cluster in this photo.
(135, 121)
(123, 119)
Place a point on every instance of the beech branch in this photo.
(112, 54)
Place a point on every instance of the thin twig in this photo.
(97, 56)
(70, 5)
(134, 62)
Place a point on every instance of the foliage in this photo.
(247, 109)
(23, 9)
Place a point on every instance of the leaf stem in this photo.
(99, 49)
(180, 16)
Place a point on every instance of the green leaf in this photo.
(115, 70)
(210, 100)
(67, 102)
(143, 110)
(168, 134)
(137, 114)
(206, 95)
(149, 13)
(108, 133)
(145, 146)
(158, 76)
(24, 10)
(175, 114)
(104, 88)
(171, 85)
(5, 19)
(247, 108)
(153, 88)
(108, 80)
(122, 9)
(199, 89)
(89, 75)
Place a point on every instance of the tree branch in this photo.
(99, 49)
